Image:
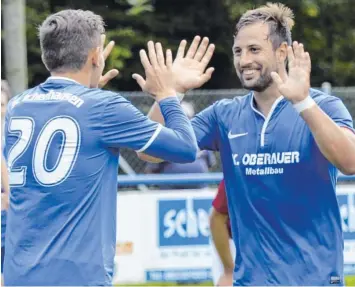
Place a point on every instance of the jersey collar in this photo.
(277, 105)
(56, 78)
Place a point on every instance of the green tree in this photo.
(326, 27)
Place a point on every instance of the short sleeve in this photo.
(220, 201)
(336, 110)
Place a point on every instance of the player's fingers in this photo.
(307, 61)
(297, 53)
(207, 75)
(298, 50)
(152, 54)
(111, 74)
(169, 59)
(208, 55)
(144, 60)
(201, 49)
(108, 49)
(181, 50)
(276, 78)
(160, 54)
(290, 56)
(108, 77)
(282, 71)
(140, 80)
(194, 45)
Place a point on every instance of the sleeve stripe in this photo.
(348, 128)
(156, 133)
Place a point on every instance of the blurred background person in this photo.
(5, 96)
(223, 248)
(205, 160)
(5, 189)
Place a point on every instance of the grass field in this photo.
(349, 281)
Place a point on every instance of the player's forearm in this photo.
(336, 143)
(176, 142)
(220, 237)
(155, 114)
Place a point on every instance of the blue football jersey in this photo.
(62, 145)
(3, 227)
(284, 213)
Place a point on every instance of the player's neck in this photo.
(80, 77)
(264, 100)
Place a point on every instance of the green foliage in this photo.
(326, 27)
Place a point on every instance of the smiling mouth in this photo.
(249, 73)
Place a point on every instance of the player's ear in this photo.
(95, 56)
(281, 53)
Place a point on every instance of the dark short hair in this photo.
(67, 37)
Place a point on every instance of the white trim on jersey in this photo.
(267, 119)
(156, 133)
(62, 78)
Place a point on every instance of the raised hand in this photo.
(190, 69)
(104, 79)
(295, 86)
(159, 80)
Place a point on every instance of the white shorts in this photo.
(217, 266)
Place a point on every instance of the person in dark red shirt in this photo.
(223, 248)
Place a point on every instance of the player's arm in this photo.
(122, 125)
(189, 73)
(332, 130)
(330, 123)
(219, 230)
(220, 238)
(4, 184)
(156, 116)
(205, 127)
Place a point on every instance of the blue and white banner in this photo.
(164, 235)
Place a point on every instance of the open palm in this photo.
(190, 70)
(295, 87)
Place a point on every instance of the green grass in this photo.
(349, 281)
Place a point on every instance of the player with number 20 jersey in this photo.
(62, 140)
(62, 143)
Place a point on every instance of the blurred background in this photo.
(325, 27)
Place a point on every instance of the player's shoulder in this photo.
(321, 97)
(15, 100)
(100, 95)
(96, 98)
